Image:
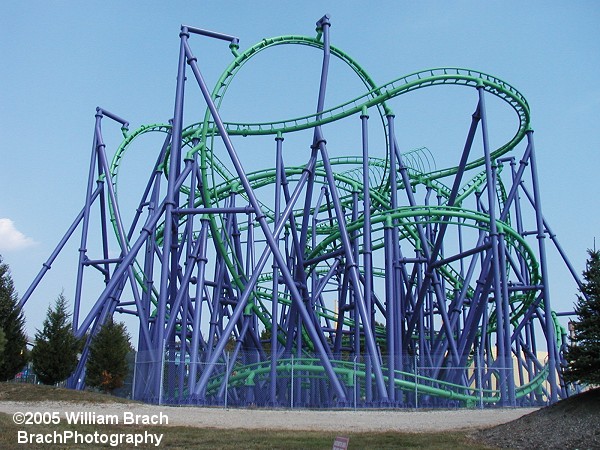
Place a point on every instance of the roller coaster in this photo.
(374, 279)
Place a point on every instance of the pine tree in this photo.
(583, 355)
(54, 355)
(107, 364)
(2, 344)
(12, 323)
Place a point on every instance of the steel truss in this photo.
(377, 275)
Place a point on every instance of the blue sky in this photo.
(62, 59)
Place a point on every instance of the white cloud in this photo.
(11, 238)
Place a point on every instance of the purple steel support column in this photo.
(153, 204)
(314, 222)
(457, 304)
(48, 264)
(391, 244)
(104, 233)
(323, 24)
(424, 285)
(541, 236)
(342, 291)
(563, 255)
(189, 221)
(325, 278)
(149, 257)
(97, 158)
(355, 250)
(516, 180)
(77, 379)
(516, 183)
(271, 246)
(156, 174)
(317, 286)
(167, 277)
(367, 244)
(531, 369)
(126, 262)
(556, 243)
(508, 361)
(491, 192)
(275, 300)
(249, 247)
(84, 232)
(234, 355)
(294, 322)
(353, 272)
(477, 309)
(181, 293)
(301, 242)
(219, 280)
(105, 169)
(298, 263)
(431, 278)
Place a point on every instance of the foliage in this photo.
(12, 323)
(583, 355)
(2, 344)
(107, 364)
(54, 354)
(265, 339)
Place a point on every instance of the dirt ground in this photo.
(315, 420)
(573, 423)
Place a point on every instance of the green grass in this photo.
(211, 438)
(25, 392)
(177, 437)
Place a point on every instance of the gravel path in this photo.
(357, 421)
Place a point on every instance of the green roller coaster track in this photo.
(218, 182)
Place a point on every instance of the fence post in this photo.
(162, 374)
(479, 380)
(416, 382)
(292, 385)
(226, 377)
(355, 392)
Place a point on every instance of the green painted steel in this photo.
(218, 183)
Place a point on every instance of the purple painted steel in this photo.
(372, 303)
(541, 236)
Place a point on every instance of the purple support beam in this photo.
(359, 295)
(541, 236)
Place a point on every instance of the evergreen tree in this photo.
(583, 355)
(12, 323)
(2, 344)
(107, 364)
(54, 354)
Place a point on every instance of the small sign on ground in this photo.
(340, 443)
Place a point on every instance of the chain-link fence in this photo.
(239, 379)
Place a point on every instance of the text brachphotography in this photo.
(69, 437)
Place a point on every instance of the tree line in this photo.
(56, 350)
